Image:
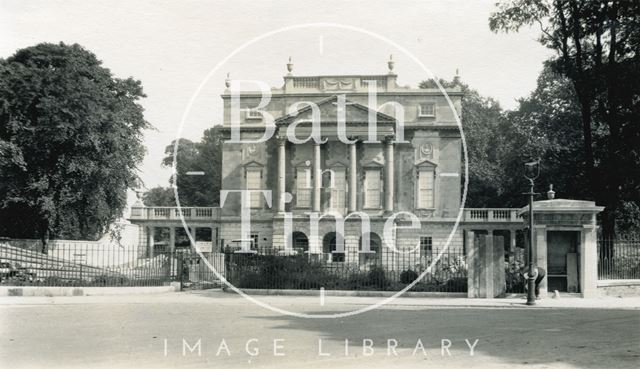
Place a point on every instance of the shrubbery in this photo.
(105, 280)
(299, 272)
(408, 276)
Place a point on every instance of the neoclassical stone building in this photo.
(412, 168)
(410, 163)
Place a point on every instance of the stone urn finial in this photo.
(290, 66)
(390, 63)
(139, 195)
(227, 81)
(551, 194)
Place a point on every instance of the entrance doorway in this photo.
(562, 261)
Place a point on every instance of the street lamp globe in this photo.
(532, 169)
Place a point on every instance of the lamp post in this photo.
(531, 172)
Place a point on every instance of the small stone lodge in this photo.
(417, 170)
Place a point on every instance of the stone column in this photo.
(540, 255)
(317, 177)
(389, 171)
(487, 266)
(172, 239)
(589, 261)
(485, 260)
(512, 245)
(473, 264)
(150, 240)
(214, 239)
(353, 178)
(282, 152)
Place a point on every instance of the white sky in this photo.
(172, 45)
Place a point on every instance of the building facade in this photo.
(357, 170)
(411, 164)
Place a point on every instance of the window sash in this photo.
(254, 182)
(339, 181)
(427, 110)
(303, 187)
(425, 189)
(372, 189)
(426, 246)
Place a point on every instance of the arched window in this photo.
(300, 242)
(329, 246)
(375, 246)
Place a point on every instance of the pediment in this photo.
(328, 109)
(425, 163)
(253, 164)
(336, 164)
(373, 163)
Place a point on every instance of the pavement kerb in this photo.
(28, 291)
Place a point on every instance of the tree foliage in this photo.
(70, 143)
(193, 190)
(159, 196)
(597, 45)
(484, 127)
(545, 125)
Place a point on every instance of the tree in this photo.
(484, 128)
(597, 45)
(159, 196)
(204, 156)
(70, 143)
(546, 125)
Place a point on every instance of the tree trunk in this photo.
(585, 115)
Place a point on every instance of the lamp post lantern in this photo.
(531, 172)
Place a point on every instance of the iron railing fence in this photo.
(86, 265)
(91, 265)
(380, 271)
(618, 258)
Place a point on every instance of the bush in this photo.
(377, 277)
(299, 272)
(357, 280)
(513, 277)
(408, 276)
(104, 280)
(457, 284)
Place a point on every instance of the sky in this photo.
(172, 46)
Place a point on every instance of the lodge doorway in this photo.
(562, 261)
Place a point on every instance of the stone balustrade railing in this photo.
(491, 215)
(213, 213)
(169, 213)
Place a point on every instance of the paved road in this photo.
(82, 332)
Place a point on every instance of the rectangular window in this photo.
(372, 186)
(427, 110)
(303, 187)
(254, 242)
(254, 182)
(339, 182)
(426, 246)
(425, 189)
